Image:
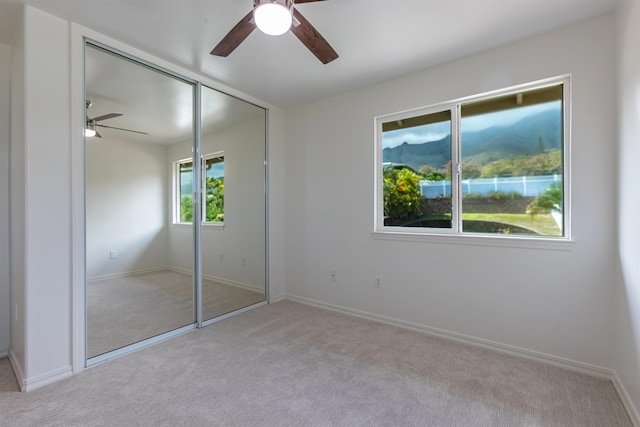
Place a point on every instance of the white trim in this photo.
(30, 384)
(627, 402)
(561, 362)
(17, 369)
(78, 261)
(139, 345)
(548, 359)
(234, 283)
(4, 353)
(224, 281)
(229, 282)
(233, 313)
(125, 274)
(277, 298)
(494, 240)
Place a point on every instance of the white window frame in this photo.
(176, 189)
(455, 233)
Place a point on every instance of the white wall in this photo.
(554, 302)
(627, 324)
(5, 294)
(244, 210)
(17, 350)
(40, 200)
(127, 194)
(277, 206)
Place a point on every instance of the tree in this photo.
(186, 209)
(471, 170)
(401, 195)
(549, 201)
(547, 163)
(214, 200)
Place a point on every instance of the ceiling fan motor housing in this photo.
(288, 4)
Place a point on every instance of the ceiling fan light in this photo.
(273, 17)
(90, 130)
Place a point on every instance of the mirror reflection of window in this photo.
(213, 182)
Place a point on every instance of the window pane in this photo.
(185, 187)
(511, 153)
(416, 163)
(214, 194)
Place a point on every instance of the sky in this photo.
(216, 171)
(437, 131)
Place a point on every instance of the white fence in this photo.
(525, 185)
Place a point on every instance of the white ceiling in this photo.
(154, 102)
(376, 39)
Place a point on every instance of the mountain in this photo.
(529, 136)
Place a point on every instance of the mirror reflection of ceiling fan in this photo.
(90, 129)
(276, 17)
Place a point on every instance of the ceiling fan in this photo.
(92, 124)
(268, 12)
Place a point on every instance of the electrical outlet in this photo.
(378, 282)
(333, 276)
(221, 257)
(113, 254)
(243, 260)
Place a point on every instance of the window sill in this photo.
(554, 244)
(205, 225)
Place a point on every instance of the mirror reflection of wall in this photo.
(139, 185)
(137, 112)
(233, 178)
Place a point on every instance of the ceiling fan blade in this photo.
(128, 130)
(305, 1)
(312, 39)
(105, 117)
(236, 36)
(98, 134)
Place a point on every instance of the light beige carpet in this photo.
(125, 310)
(288, 364)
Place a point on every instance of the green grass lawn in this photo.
(542, 224)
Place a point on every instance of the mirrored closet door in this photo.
(172, 241)
(233, 186)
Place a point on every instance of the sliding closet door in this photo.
(139, 202)
(233, 232)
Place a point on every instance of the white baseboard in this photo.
(548, 359)
(632, 411)
(277, 298)
(572, 365)
(125, 274)
(4, 353)
(242, 285)
(17, 368)
(224, 281)
(30, 384)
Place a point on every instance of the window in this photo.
(485, 165)
(212, 193)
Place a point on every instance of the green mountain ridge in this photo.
(529, 136)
